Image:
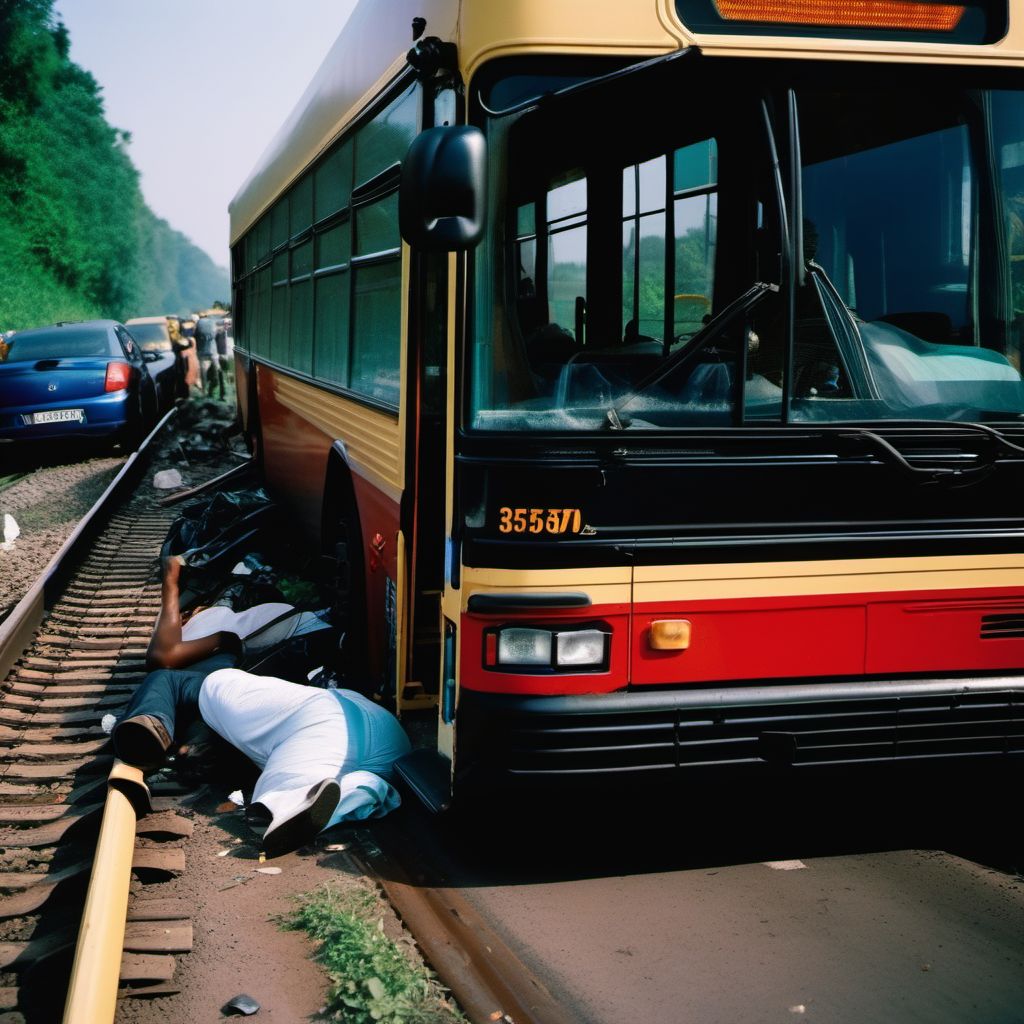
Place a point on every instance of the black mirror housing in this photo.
(441, 205)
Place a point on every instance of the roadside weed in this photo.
(373, 980)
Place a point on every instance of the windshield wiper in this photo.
(568, 91)
(891, 454)
(711, 330)
(998, 436)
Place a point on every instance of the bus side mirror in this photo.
(441, 205)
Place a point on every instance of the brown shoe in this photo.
(305, 821)
(142, 741)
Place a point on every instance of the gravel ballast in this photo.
(47, 506)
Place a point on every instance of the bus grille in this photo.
(813, 733)
(1001, 627)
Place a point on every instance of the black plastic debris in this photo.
(241, 1006)
(213, 533)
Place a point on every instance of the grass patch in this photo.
(373, 980)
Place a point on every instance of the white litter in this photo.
(237, 798)
(312, 675)
(167, 479)
(223, 853)
(336, 847)
(107, 723)
(784, 865)
(799, 1008)
(269, 871)
(241, 570)
(12, 531)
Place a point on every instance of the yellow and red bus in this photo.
(685, 427)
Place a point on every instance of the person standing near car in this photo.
(206, 349)
(224, 363)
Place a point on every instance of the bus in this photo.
(652, 371)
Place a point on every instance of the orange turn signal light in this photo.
(913, 15)
(669, 634)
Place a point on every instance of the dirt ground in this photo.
(239, 944)
(47, 506)
(239, 947)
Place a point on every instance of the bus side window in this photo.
(689, 175)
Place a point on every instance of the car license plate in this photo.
(59, 416)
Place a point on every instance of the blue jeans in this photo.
(172, 695)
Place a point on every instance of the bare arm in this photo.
(166, 648)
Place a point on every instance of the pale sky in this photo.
(202, 85)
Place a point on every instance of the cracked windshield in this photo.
(600, 288)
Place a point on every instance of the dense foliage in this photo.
(76, 238)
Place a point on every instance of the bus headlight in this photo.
(524, 647)
(533, 649)
(582, 648)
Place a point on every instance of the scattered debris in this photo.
(236, 798)
(167, 479)
(784, 865)
(799, 1008)
(241, 570)
(336, 847)
(12, 531)
(269, 871)
(241, 1006)
(223, 853)
(237, 880)
(107, 723)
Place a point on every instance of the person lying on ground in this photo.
(324, 756)
(215, 630)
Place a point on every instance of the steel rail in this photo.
(17, 628)
(92, 992)
(489, 981)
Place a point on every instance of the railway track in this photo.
(76, 650)
(76, 825)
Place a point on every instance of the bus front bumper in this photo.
(667, 732)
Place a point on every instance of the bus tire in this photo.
(343, 543)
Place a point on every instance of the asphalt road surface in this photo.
(857, 899)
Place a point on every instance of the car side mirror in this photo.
(441, 205)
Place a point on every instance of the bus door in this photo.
(424, 499)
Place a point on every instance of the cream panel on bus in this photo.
(373, 439)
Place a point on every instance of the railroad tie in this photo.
(85, 660)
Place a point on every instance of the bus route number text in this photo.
(539, 520)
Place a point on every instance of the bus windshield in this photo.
(613, 242)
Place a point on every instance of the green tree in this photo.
(76, 237)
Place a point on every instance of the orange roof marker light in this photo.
(914, 15)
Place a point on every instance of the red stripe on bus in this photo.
(775, 638)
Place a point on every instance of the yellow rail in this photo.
(92, 993)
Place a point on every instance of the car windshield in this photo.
(151, 337)
(63, 343)
(612, 243)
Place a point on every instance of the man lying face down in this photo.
(325, 756)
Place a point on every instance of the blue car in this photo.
(76, 380)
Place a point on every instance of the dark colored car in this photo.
(83, 380)
(166, 366)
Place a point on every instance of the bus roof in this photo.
(370, 52)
